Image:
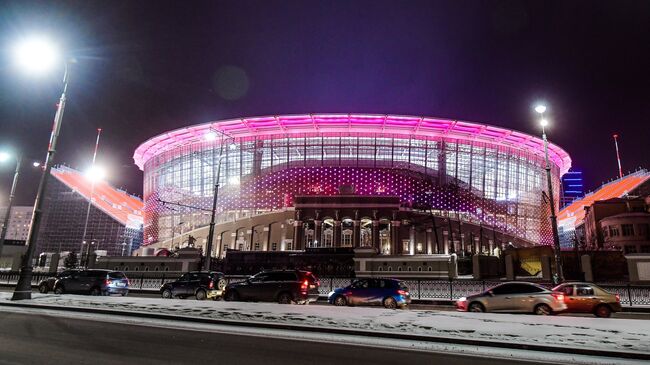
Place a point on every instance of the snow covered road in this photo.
(626, 335)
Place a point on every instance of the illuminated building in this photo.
(114, 223)
(397, 184)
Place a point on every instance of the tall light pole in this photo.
(38, 55)
(94, 176)
(211, 136)
(5, 223)
(556, 237)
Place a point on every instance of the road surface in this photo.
(29, 338)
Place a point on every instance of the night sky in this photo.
(145, 67)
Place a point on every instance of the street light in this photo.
(211, 136)
(5, 156)
(36, 55)
(543, 122)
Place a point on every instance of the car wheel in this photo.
(124, 294)
(59, 290)
(43, 289)
(285, 298)
(231, 296)
(201, 294)
(95, 292)
(166, 294)
(543, 310)
(340, 301)
(221, 284)
(390, 303)
(476, 307)
(603, 311)
(217, 298)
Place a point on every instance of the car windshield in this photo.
(116, 275)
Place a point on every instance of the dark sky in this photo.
(149, 66)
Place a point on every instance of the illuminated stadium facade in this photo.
(398, 184)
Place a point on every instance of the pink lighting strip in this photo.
(287, 125)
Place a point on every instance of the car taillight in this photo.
(618, 298)
(558, 296)
(211, 285)
(304, 285)
(402, 292)
(107, 282)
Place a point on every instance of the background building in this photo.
(457, 183)
(571, 219)
(19, 221)
(114, 223)
(572, 187)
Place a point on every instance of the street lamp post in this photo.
(210, 136)
(556, 237)
(23, 289)
(5, 224)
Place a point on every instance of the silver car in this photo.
(516, 297)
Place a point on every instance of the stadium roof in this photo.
(123, 207)
(574, 213)
(351, 123)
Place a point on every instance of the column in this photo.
(491, 247)
(336, 236)
(356, 234)
(251, 238)
(477, 247)
(412, 239)
(375, 234)
(445, 242)
(266, 238)
(429, 238)
(395, 248)
(318, 225)
(297, 236)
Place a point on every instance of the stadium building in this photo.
(396, 185)
(114, 217)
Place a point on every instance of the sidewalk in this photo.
(588, 336)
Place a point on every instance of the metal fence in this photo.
(421, 289)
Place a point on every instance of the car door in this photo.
(251, 289)
(72, 283)
(500, 297)
(193, 283)
(376, 291)
(179, 287)
(360, 292)
(586, 298)
(572, 302)
(524, 297)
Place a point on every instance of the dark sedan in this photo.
(390, 293)
(201, 285)
(47, 285)
(282, 286)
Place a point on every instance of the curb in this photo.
(343, 331)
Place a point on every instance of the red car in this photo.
(589, 298)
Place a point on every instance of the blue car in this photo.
(390, 293)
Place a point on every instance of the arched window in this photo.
(408, 268)
(381, 268)
(126, 268)
(419, 268)
(328, 237)
(399, 268)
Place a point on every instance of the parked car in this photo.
(47, 285)
(390, 293)
(93, 282)
(284, 287)
(589, 298)
(515, 297)
(201, 285)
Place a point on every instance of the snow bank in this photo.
(577, 332)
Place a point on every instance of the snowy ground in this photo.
(567, 332)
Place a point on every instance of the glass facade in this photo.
(490, 183)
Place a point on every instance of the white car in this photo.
(515, 297)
